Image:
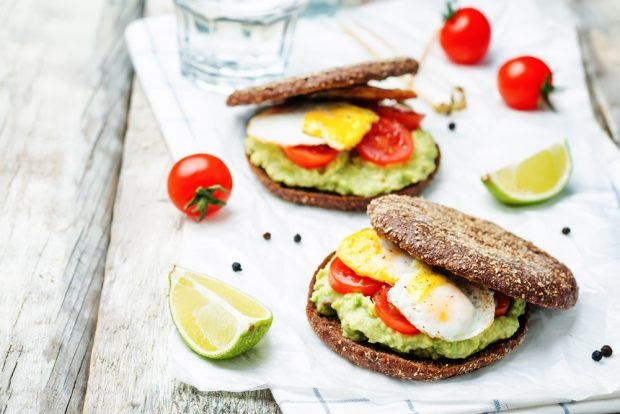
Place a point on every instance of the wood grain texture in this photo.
(599, 37)
(129, 371)
(64, 87)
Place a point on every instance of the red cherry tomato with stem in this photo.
(199, 185)
(344, 280)
(502, 303)
(525, 83)
(401, 113)
(390, 315)
(387, 142)
(310, 156)
(465, 35)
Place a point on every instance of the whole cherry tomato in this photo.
(199, 185)
(465, 35)
(525, 83)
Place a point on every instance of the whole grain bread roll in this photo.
(330, 79)
(310, 197)
(475, 249)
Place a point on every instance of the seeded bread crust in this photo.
(317, 198)
(475, 249)
(385, 361)
(339, 77)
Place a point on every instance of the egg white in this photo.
(452, 310)
(340, 125)
(282, 125)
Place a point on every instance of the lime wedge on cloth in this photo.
(214, 319)
(533, 180)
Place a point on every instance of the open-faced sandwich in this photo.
(329, 139)
(429, 292)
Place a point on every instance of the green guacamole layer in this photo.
(360, 323)
(348, 174)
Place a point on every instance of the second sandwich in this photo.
(429, 292)
(329, 139)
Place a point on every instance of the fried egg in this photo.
(441, 306)
(339, 125)
(445, 307)
(371, 256)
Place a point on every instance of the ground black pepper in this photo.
(267, 236)
(597, 355)
(566, 230)
(451, 126)
(297, 238)
(606, 351)
(236, 267)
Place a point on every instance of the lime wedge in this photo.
(214, 319)
(533, 180)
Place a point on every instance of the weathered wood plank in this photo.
(130, 350)
(599, 36)
(64, 87)
(129, 370)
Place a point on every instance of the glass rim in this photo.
(243, 9)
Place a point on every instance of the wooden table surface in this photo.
(86, 227)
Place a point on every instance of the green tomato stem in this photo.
(203, 197)
(450, 12)
(545, 92)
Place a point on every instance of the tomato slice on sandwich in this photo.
(401, 113)
(344, 280)
(310, 156)
(390, 315)
(502, 303)
(387, 142)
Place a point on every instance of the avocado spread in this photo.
(348, 174)
(360, 323)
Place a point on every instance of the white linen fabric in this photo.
(552, 372)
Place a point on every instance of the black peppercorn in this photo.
(451, 126)
(267, 236)
(597, 355)
(236, 267)
(606, 351)
(566, 230)
(297, 238)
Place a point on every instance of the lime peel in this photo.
(214, 319)
(537, 178)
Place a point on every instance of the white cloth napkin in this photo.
(552, 372)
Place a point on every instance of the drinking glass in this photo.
(228, 44)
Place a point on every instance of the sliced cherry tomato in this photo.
(525, 83)
(465, 35)
(401, 113)
(199, 185)
(390, 315)
(310, 156)
(387, 142)
(502, 303)
(344, 280)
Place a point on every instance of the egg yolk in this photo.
(424, 282)
(342, 126)
(370, 256)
